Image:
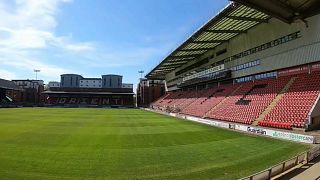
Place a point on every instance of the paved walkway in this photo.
(310, 171)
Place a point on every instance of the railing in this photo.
(304, 157)
(211, 77)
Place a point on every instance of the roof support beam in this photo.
(205, 44)
(171, 62)
(192, 50)
(180, 59)
(240, 18)
(274, 8)
(169, 66)
(314, 9)
(167, 69)
(209, 42)
(163, 70)
(185, 56)
(224, 31)
(174, 63)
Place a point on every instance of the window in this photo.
(247, 52)
(244, 79)
(266, 75)
(245, 65)
(254, 63)
(193, 66)
(267, 45)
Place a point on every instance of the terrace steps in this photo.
(221, 102)
(275, 101)
(190, 103)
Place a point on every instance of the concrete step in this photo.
(299, 129)
(221, 102)
(274, 101)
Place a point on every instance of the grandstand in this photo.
(232, 101)
(254, 63)
(93, 97)
(76, 91)
(9, 92)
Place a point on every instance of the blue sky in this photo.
(94, 37)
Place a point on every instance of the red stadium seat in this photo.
(293, 109)
(249, 101)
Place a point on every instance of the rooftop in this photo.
(91, 79)
(236, 18)
(5, 84)
(230, 22)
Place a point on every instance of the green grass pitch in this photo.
(49, 143)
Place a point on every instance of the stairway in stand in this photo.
(274, 102)
(221, 102)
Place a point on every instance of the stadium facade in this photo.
(107, 81)
(148, 91)
(31, 94)
(248, 64)
(9, 91)
(77, 91)
(22, 92)
(53, 84)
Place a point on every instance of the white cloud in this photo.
(27, 33)
(27, 27)
(79, 47)
(4, 74)
(28, 38)
(66, 44)
(31, 24)
(24, 62)
(119, 56)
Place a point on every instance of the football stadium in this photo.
(238, 99)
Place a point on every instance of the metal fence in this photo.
(304, 157)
